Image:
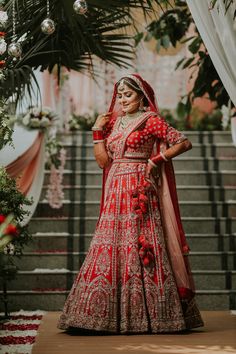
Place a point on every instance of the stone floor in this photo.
(218, 337)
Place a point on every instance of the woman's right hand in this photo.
(102, 120)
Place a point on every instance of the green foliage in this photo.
(11, 199)
(196, 120)
(11, 202)
(53, 149)
(77, 40)
(169, 29)
(5, 125)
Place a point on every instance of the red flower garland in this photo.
(139, 200)
(16, 340)
(19, 327)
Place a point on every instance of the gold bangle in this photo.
(94, 128)
(152, 163)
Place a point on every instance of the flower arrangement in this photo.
(82, 122)
(13, 236)
(38, 118)
(56, 159)
(5, 125)
(8, 231)
(139, 203)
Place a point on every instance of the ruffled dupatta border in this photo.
(175, 238)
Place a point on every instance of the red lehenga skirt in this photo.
(114, 291)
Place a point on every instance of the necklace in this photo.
(129, 117)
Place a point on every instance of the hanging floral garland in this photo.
(46, 120)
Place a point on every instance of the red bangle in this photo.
(97, 135)
(159, 158)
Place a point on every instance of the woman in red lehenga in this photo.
(136, 276)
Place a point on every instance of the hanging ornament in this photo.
(48, 25)
(80, 7)
(14, 48)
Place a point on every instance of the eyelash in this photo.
(128, 95)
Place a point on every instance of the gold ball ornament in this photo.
(80, 7)
(14, 49)
(48, 26)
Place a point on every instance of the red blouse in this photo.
(159, 129)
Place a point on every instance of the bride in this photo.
(136, 276)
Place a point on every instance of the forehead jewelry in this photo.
(123, 82)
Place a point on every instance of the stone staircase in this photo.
(206, 179)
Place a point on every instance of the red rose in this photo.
(143, 207)
(11, 230)
(146, 261)
(143, 198)
(2, 63)
(2, 34)
(2, 218)
(141, 239)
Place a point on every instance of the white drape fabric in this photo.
(24, 140)
(218, 33)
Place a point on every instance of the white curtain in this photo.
(218, 32)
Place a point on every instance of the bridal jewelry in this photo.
(129, 117)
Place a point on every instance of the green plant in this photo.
(5, 125)
(77, 40)
(169, 30)
(12, 202)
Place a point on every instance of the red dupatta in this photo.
(176, 243)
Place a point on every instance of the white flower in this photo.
(34, 122)
(225, 116)
(45, 122)
(46, 111)
(3, 17)
(26, 119)
(35, 111)
(9, 249)
(3, 46)
(2, 77)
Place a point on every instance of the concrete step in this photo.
(185, 193)
(91, 208)
(55, 259)
(87, 224)
(198, 150)
(200, 137)
(53, 300)
(187, 177)
(39, 279)
(180, 163)
(63, 241)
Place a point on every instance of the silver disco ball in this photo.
(14, 49)
(48, 26)
(80, 7)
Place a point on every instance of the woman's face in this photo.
(128, 99)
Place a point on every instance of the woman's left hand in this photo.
(152, 171)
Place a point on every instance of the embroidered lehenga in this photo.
(114, 291)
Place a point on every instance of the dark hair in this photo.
(133, 86)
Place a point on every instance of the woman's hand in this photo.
(152, 171)
(102, 120)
